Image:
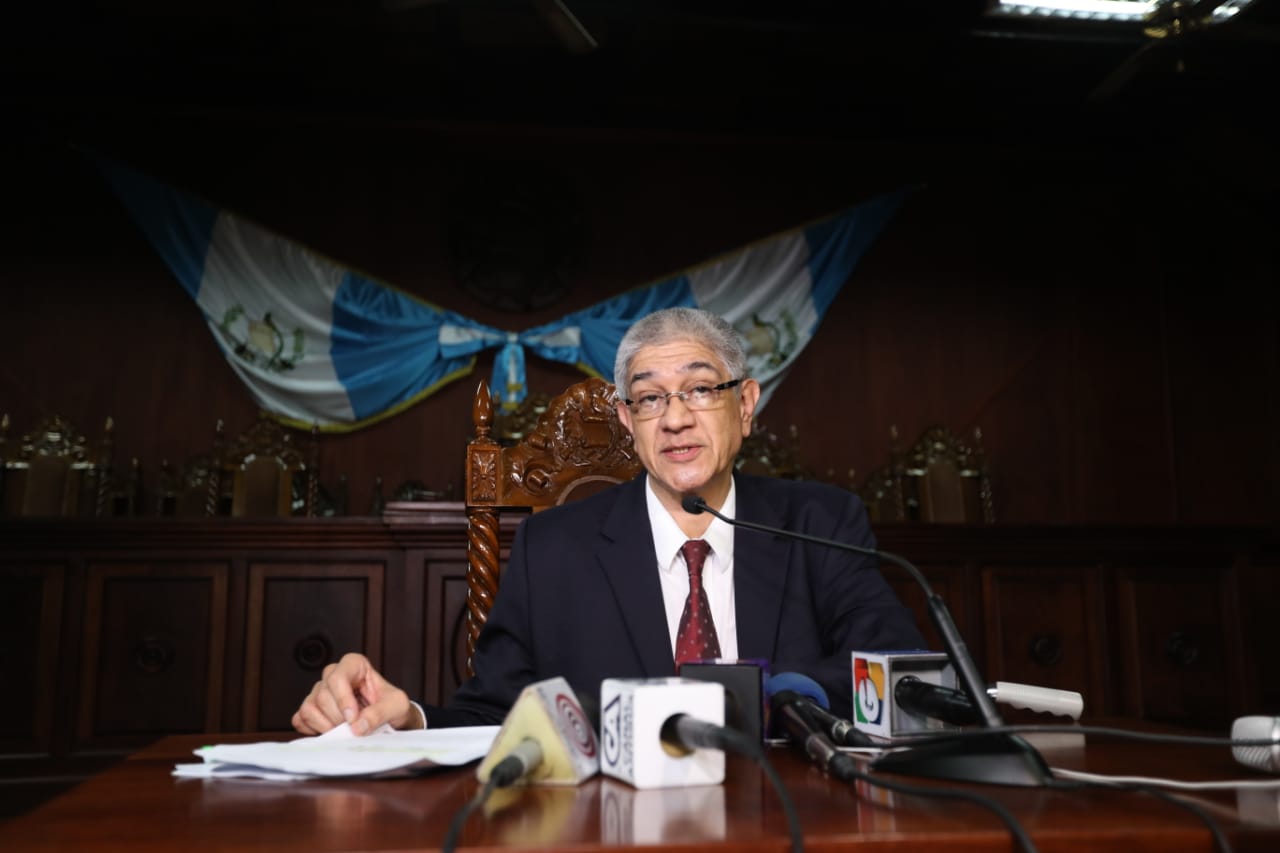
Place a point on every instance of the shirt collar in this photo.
(668, 538)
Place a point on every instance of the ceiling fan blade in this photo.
(568, 29)
(1124, 73)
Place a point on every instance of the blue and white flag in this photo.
(318, 343)
(774, 291)
(315, 342)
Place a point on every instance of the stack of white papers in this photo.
(339, 753)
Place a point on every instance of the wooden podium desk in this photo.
(137, 805)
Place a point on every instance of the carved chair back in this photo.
(265, 472)
(940, 479)
(53, 470)
(577, 447)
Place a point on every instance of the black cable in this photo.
(460, 816)
(1220, 841)
(848, 772)
(1106, 731)
(1215, 829)
(732, 740)
(506, 772)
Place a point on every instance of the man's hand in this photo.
(352, 691)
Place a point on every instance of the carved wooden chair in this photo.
(265, 473)
(195, 487)
(771, 455)
(940, 478)
(578, 447)
(53, 470)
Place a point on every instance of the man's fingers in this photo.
(353, 691)
(310, 721)
(327, 704)
(340, 681)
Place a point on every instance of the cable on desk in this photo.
(506, 772)
(850, 773)
(1107, 731)
(1151, 788)
(460, 817)
(1220, 842)
(733, 740)
(468, 808)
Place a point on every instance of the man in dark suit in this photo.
(606, 587)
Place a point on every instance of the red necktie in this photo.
(696, 639)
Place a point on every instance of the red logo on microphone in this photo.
(574, 723)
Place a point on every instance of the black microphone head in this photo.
(693, 504)
(783, 697)
(802, 684)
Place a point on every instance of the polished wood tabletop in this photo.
(138, 805)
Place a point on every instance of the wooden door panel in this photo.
(1045, 626)
(30, 624)
(302, 617)
(153, 650)
(1180, 662)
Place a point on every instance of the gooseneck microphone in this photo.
(788, 709)
(997, 758)
(813, 699)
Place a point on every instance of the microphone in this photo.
(998, 758)
(787, 708)
(546, 738)
(813, 701)
(687, 733)
(933, 700)
(1260, 757)
(744, 695)
(663, 732)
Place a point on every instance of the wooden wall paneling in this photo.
(30, 628)
(1045, 626)
(444, 625)
(153, 650)
(1259, 592)
(301, 617)
(403, 623)
(1180, 644)
(433, 536)
(949, 582)
(234, 677)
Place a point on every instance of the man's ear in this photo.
(750, 396)
(624, 415)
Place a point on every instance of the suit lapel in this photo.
(759, 572)
(629, 565)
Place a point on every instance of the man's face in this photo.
(687, 451)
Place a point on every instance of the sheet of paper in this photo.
(339, 753)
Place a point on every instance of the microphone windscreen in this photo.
(633, 712)
(802, 684)
(549, 713)
(692, 504)
(1257, 728)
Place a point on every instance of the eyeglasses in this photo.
(698, 398)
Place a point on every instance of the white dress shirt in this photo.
(717, 572)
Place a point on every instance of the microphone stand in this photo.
(997, 758)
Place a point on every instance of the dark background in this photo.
(1086, 269)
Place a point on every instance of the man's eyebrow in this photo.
(687, 368)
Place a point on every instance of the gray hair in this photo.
(680, 324)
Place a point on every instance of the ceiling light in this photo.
(1107, 10)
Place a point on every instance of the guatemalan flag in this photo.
(775, 292)
(318, 343)
(315, 342)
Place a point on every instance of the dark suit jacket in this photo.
(580, 597)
